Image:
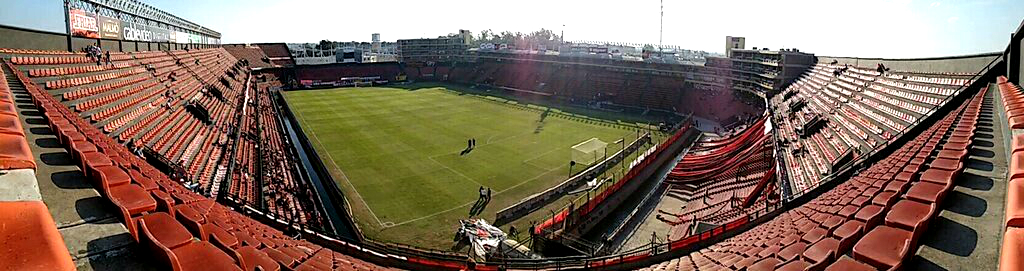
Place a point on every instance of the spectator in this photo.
(108, 57)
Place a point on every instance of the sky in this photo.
(863, 28)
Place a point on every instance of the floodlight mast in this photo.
(661, 30)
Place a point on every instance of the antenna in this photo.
(661, 31)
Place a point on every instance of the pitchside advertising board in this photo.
(89, 25)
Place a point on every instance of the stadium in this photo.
(136, 140)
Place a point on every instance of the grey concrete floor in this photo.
(967, 233)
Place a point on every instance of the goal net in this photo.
(588, 152)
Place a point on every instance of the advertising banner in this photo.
(137, 32)
(181, 37)
(83, 24)
(90, 25)
(110, 28)
(160, 34)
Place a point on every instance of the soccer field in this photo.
(399, 155)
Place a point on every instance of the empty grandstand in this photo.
(136, 141)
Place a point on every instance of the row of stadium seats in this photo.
(29, 234)
(1013, 238)
(144, 102)
(861, 109)
(14, 150)
(872, 221)
(177, 228)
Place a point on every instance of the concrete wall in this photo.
(955, 64)
(18, 38)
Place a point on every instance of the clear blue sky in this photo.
(863, 28)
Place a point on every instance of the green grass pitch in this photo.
(396, 153)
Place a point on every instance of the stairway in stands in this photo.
(87, 222)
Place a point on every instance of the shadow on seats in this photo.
(96, 210)
(56, 159)
(70, 179)
(965, 204)
(983, 143)
(982, 153)
(36, 121)
(48, 142)
(116, 252)
(974, 181)
(34, 113)
(979, 164)
(918, 263)
(951, 237)
(40, 131)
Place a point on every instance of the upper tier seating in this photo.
(862, 110)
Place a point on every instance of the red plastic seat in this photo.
(792, 251)
(30, 238)
(15, 152)
(1013, 247)
(946, 164)
(883, 247)
(283, 259)
(910, 215)
(1016, 165)
(927, 192)
(848, 233)
(884, 198)
(871, 215)
(1015, 203)
(814, 235)
(251, 258)
(823, 251)
(174, 246)
(938, 176)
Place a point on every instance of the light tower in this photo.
(661, 30)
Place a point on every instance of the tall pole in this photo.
(67, 24)
(661, 31)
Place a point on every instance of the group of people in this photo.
(470, 144)
(481, 201)
(96, 54)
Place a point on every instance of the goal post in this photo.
(588, 152)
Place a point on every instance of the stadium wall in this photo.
(965, 64)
